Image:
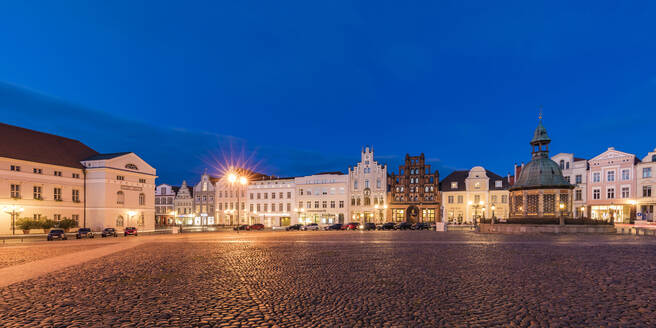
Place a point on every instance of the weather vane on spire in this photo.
(540, 115)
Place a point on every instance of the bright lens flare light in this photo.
(243, 180)
(232, 177)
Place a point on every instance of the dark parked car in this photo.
(403, 226)
(130, 231)
(368, 226)
(107, 232)
(336, 226)
(294, 227)
(57, 234)
(84, 233)
(242, 227)
(421, 226)
(257, 226)
(350, 226)
(387, 226)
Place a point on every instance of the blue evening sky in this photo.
(298, 87)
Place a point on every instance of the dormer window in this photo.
(498, 184)
(454, 185)
(131, 166)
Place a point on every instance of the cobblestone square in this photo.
(350, 279)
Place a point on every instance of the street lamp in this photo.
(130, 215)
(241, 180)
(562, 218)
(582, 212)
(493, 208)
(13, 210)
(635, 205)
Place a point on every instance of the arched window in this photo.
(653, 158)
(562, 164)
(120, 197)
(119, 221)
(367, 201)
(142, 199)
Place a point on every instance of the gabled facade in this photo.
(164, 206)
(612, 186)
(413, 195)
(575, 171)
(646, 185)
(184, 205)
(474, 195)
(368, 189)
(204, 204)
(121, 192)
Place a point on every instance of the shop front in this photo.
(613, 213)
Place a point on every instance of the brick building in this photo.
(413, 195)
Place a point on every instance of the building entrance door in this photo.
(412, 214)
(285, 221)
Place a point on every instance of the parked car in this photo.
(130, 231)
(421, 226)
(367, 226)
(350, 226)
(336, 226)
(108, 232)
(56, 234)
(84, 233)
(310, 227)
(387, 226)
(294, 227)
(242, 227)
(257, 226)
(403, 226)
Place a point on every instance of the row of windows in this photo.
(122, 178)
(400, 198)
(324, 204)
(366, 201)
(230, 194)
(319, 191)
(120, 198)
(120, 221)
(416, 189)
(366, 184)
(17, 168)
(259, 207)
(56, 217)
(273, 195)
(163, 201)
(477, 199)
(610, 193)
(37, 193)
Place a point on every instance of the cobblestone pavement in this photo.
(13, 255)
(353, 279)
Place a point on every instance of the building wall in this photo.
(204, 203)
(184, 205)
(617, 207)
(322, 198)
(272, 202)
(228, 197)
(164, 204)
(575, 169)
(48, 207)
(463, 206)
(646, 187)
(414, 193)
(367, 189)
(105, 179)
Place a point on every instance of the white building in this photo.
(271, 201)
(183, 205)
(120, 191)
(646, 173)
(164, 207)
(322, 198)
(367, 189)
(575, 171)
(204, 204)
(48, 176)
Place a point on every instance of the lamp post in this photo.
(582, 212)
(13, 210)
(635, 207)
(562, 218)
(130, 215)
(493, 208)
(241, 180)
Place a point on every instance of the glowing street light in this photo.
(233, 178)
(13, 210)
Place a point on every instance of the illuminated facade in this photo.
(322, 198)
(413, 195)
(48, 176)
(164, 207)
(368, 189)
(612, 186)
(184, 205)
(270, 201)
(646, 172)
(474, 194)
(575, 171)
(540, 190)
(204, 204)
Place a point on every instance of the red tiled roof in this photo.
(30, 145)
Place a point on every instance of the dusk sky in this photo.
(298, 87)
